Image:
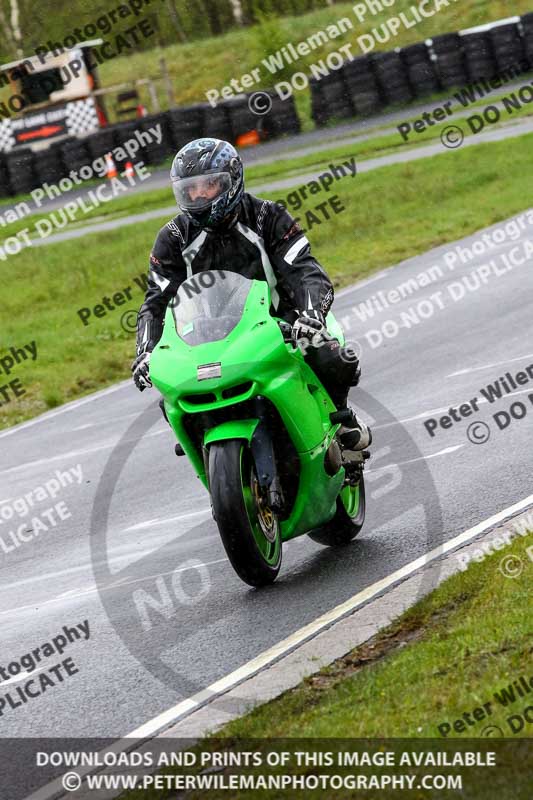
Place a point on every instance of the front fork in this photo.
(262, 449)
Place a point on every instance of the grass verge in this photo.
(217, 56)
(425, 670)
(191, 66)
(463, 647)
(317, 162)
(389, 214)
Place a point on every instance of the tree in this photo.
(15, 26)
(213, 17)
(236, 7)
(23, 26)
(10, 20)
(176, 20)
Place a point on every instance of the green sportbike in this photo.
(256, 423)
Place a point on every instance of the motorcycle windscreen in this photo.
(209, 305)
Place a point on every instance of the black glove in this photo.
(141, 371)
(310, 325)
(350, 356)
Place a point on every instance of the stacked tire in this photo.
(420, 69)
(242, 118)
(362, 86)
(282, 119)
(450, 64)
(20, 171)
(479, 56)
(508, 48)
(75, 154)
(167, 142)
(5, 188)
(185, 124)
(124, 133)
(101, 143)
(48, 165)
(217, 123)
(319, 108)
(332, 98)
(527, 37)
(156, 153)
(392, 79)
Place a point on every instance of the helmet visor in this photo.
(200, 191)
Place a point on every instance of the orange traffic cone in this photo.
(129, 172)
(111, 170)
(248, 139)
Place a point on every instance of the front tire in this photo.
(348, 520)
(250, 531)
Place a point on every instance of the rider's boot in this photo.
(354, 434)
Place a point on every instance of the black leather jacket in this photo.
(264, 242)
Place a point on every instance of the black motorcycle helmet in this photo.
(208, 181)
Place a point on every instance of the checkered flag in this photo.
(81, 117)
(7, 138)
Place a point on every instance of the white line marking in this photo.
(468, 370)
(21, 677)
(444, 452)
(151, 523)
(76, 453)
(445, 409)
(47, 576)
(72, 594)
(167, 718)
(68, 571)
(365, 282)
(67, 407)
(281, 649)
(423, 415)
(104, 421)
(61, 456)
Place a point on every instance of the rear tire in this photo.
(348, 520)
(250, 531)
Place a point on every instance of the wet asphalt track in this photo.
(162, 541)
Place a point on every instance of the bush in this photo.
(268, 37)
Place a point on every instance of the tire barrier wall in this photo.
(369, 83)
(22, 170)
(361, 87)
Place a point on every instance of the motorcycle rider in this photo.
(222, 227)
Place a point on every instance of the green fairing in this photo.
(255, 351)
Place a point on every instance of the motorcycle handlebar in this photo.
(286, 330)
